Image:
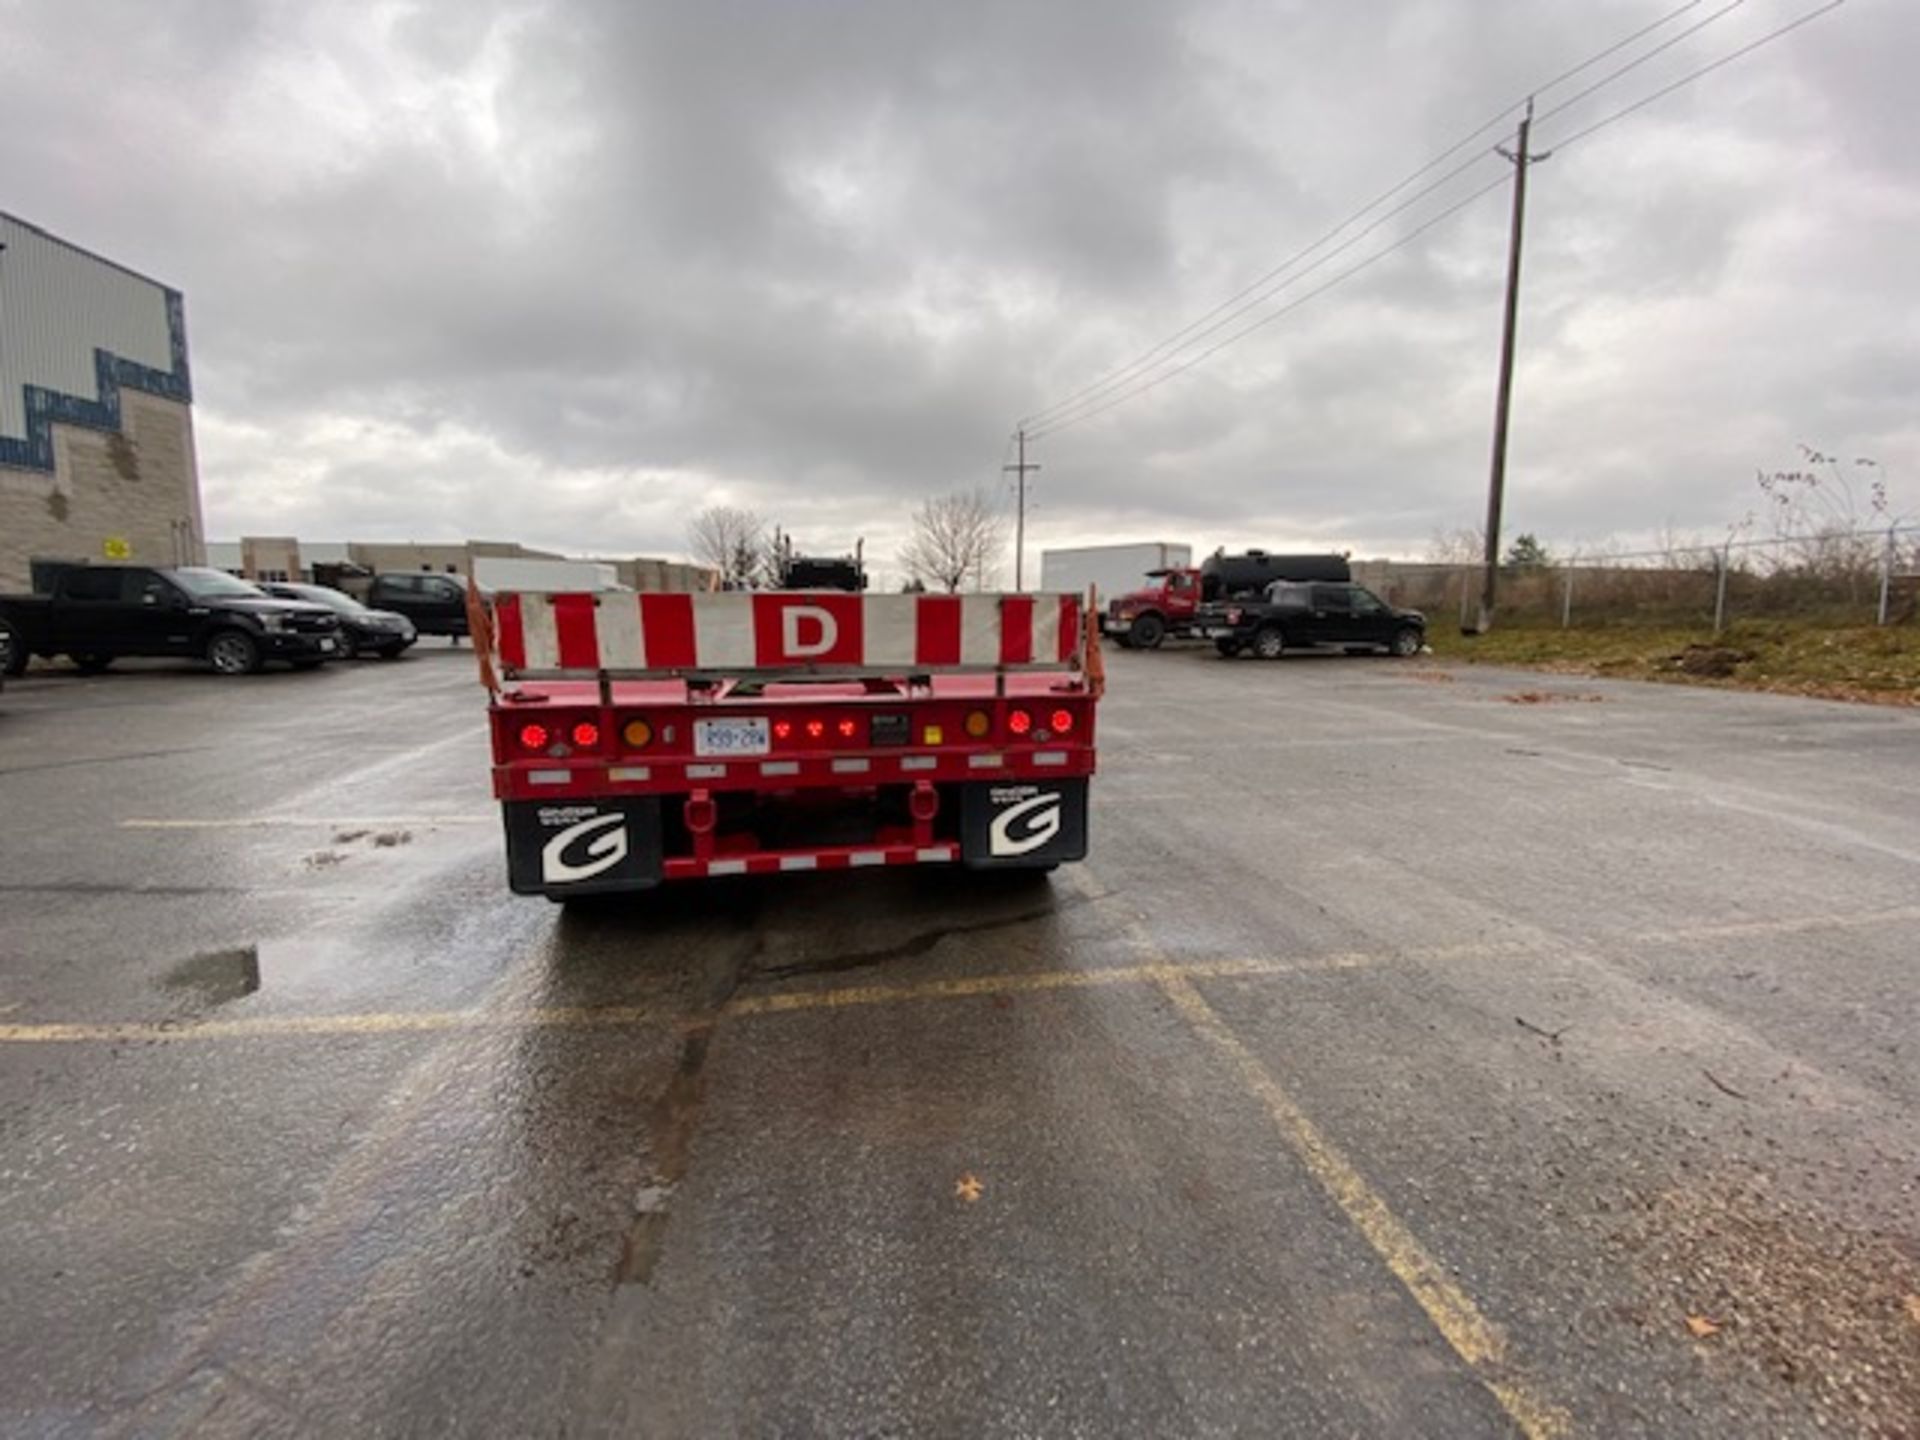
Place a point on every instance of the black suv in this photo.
(97, 613)
(1297, 615)
(436, 604)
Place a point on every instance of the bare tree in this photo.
(955, 539)
(1463, 546)
(729, 539)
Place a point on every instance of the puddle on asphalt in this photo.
(215, 977)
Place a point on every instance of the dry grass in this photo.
(1870, 664)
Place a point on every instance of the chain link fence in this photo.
(1850, 577)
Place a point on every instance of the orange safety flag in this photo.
(480, 631)
(1096, 662)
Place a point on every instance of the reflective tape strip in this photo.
(937, 852)
(891, 631)
(727, 867)
(549, 777)
(630, 772)
(799, 862)
(617, 622)
(705, 772)
(867, 857)
(538, 643)
(851, 767)
(918, 762)
(980, 630)
(723, 632)
(666, 623)
(780, 767)
(1049, 757)
(985, 762)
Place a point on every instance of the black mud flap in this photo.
(1023, 823)
(582, 847)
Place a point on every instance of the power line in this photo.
(1704, 70)
(1639, 60)
(1133, 390)
(1287, 309)
(1176, 341)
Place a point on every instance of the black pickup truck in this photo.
(1298, 615)
(95, 614)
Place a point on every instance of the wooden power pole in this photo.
(1020, 515)
(1522, 159)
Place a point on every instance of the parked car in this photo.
(6, 655)
(1295, 615)
(97, 613)
(362, 631)
(436, 604)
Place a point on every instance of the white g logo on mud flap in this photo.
(1039, 819)
(606, 847)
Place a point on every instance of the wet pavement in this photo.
(1421, 1051)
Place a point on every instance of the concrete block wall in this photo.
(137, 488)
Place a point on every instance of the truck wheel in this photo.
(347, 648)
(1407, 643)
(1269, 644)
(17, 656)
(233, 652)
(1227, 648)
(91, 662)
(1147, 633)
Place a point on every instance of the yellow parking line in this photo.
(255, 822)
(375, 1023)
(1473, 1337)
(601, 1016)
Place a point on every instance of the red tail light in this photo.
(1062, 722)
(586, 734)
(816, 729)
(1020, 722)
(783, 729)
(848, 729)
(535, 737)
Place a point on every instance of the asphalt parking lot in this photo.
(1421, 1051)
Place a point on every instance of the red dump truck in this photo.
(654, 737)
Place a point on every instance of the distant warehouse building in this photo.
(96, 429)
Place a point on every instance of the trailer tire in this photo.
(1147, 632)
(1269, 643)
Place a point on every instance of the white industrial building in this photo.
(96, 427)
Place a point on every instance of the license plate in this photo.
(731, 737)
(326, 645)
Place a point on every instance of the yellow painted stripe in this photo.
(256, 822)
(740, 1007)
(1473, 1337)
(378, 1023)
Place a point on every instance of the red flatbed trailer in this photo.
(639, 739)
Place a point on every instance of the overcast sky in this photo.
(566, 273)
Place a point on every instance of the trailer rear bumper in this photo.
(581, 845)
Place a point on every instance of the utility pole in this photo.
(1521, 158)
(1020, 515)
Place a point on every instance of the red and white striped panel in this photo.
(641, 634)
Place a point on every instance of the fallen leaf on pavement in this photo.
(1701, 1326)
(969, 1188)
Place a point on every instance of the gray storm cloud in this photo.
(565, 273)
